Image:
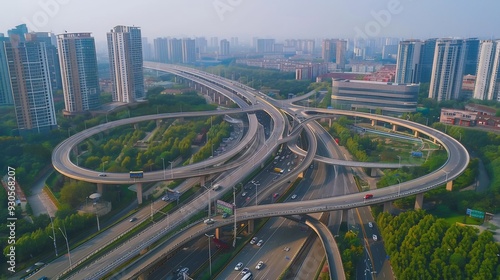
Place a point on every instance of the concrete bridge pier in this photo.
(100, 188)
(415, 134)
(419, 201)
(394, 127)
(250, 226)
(374, 122)
(388, 206)
(217, 233)
(345, 216)
(139, 192)
(449, 186)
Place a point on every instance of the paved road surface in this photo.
(39, 200)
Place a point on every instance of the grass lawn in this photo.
(442, 211)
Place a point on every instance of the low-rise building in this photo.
(391, 98)
(458, 117)
(481, 109)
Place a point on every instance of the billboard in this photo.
(224, 207)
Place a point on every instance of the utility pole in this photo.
(67, 245)
(234, 210)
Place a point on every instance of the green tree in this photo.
(75, 193)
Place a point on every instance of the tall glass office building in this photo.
(77, 57)
(31, 84)
(125, 59)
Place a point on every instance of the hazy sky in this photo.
(279, 19)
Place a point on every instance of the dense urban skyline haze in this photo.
(259, 18)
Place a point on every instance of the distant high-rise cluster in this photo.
(224, 47)
(34, 65)
(446, 62)
(334, 50)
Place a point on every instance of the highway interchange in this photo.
(457, 161)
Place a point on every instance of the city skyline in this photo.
(247, 19)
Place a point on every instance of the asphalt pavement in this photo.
(39, 200)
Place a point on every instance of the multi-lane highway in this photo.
(457, 162)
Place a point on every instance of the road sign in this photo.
(475, 213)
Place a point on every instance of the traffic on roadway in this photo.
(457, 161)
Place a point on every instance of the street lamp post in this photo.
(399, 186)
(256, 192)
(209, 252)
(171, 171)
(67, 245)
(208, 189)
(399, 157)
(53, 234)
(104, 162)
(163, 161)
(77, 159)
(53, 231)
(234, 214)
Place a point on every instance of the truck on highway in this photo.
(278, 170)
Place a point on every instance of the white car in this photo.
(370, 224)
(374, 237)
(244, 194)
(259, 265)
(238, 266)
(254, 240)
(260, 242)
(294, 196)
